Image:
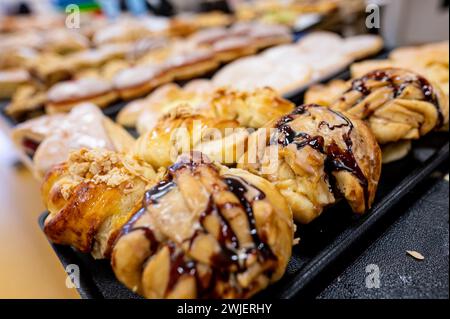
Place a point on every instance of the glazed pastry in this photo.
(264, 36)
(140, 80)
(10, 80)
(396, 103)
(162, 100)
(62, 41)
(209, 36)
(27, 99)
(62, 97)
(201, 232)
(361, 46)
(430, 60)
(315, 156)
(48, 140)
(16, 57)
(189, 65)
(94, 58)
(326, 94)
(91, 196)
(232, 48)
(250, 73)
(250, 109)
(288, 68)
(50, 68)
(129, 115)
(182, 130)
(122, 31)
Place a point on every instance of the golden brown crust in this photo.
(178, 131)
(95, 190)
(397, 104)
(314, 156)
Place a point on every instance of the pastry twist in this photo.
(202, 231)
(187, 127)
(314, 156)
(397, 104)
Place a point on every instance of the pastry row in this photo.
(195, 228)
(123, 71)
(283, 68)
(198, 229)
(203, 203)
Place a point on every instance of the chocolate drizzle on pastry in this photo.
(231, 260)
(398, 82)
(337, 159)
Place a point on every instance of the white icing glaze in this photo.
(82, 88)
(136, 75)
(17, 75)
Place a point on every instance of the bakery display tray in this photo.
(326, 246)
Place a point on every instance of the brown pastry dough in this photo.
(27, 99)
(315, 156)
(201, 232)
(10, 80)
(397, 104)
(51, 68)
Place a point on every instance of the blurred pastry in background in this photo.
(48, 140)
(62, 97)
(28, 100)
(287, 68)
(10, 80)
(140, 80)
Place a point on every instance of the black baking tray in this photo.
(336, 235)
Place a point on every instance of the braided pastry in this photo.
(202, 231)
(398, 105)
(314, 156)
(91, 196)
(183, 130)
(175, 132)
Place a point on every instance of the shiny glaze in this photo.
(337, 159)
(389, 77)
(230, 257)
